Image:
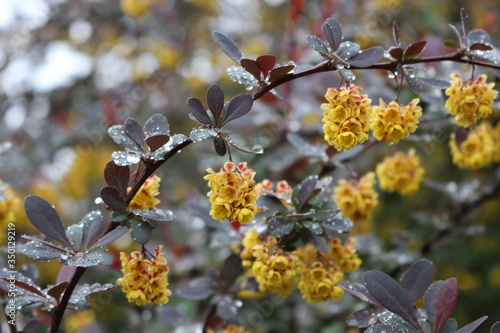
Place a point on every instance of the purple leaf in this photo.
(32, 289)
(57, 290)
(220, 146)
(140, 231)
(359, 291)
(231, 269)
(199, 112)
(382, 329)
(391, 295)
(45, 218)
(414, 50)
(430, 299)
(215, 101)
(395, 33)
(280, 226)
(117, 176)
(266, 63)
(472, 326)
(269, 202)
(307, 189)
(91, 225)
(333, 33)
(280, 72)
(157, 124)
(318, 45)
(238, 106)
(445, 302)
(252, 67)
(228, 46)
(110, 237)
(113, 199)
(495, 328)
(135, 132)
(367, 57)
(417, 278)
(65, 274)
(155, 142)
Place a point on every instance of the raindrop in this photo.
(200, 134)
(352, 322)
(257, 149)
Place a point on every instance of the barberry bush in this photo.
(343, 176)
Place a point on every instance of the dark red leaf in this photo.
(231, 269)
(228, 46)
(198, 110)
(390, 294)
(215, 100)
(280, 72)
(396, 53)
(414, 50)
(480, 47)
(57, 290)
(27, 287)
(238, 106)
(135, 132)
(220, 146)
(359, 291)
(113, 199)
(417, 278)
(367, 57)
(117, 176)
(430, 299)
(252, 67)
(333, 33)
(446, 301)
(155, 142)
(266, 63)
(45, 218)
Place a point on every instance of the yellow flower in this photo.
(275, 273)
(478, 150)
(135, 8)
(76, 321)
(9, 202)
(145, 281)
(346, 117)
(146, 196)
(392, 122)
(400, 173)
(232, 193)
(470, 102)
(357, 200)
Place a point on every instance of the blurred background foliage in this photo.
(71, 69)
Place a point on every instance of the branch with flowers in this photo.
(289, 237)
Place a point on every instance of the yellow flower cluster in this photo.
(135, 8)
(276, 272)
(346, 117)
(392, 122)
(479, 149)
(321, 272)
(145, 281)
(232, 193)
(470, 102)
(9, 202)
(230, 329)
(357, 200)
(146, 196)
(400, 173)
(315, 274)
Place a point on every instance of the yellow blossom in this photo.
(76, 321)
(346, 117)
(471, 101)
(392, 122)
(146, 196)
(9, 202)
(400, 173)
(232, 193)
(145, 280)
(478, 150)
(357, 200)
(135, 8)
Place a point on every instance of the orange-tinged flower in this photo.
(400, 173)
(392, 122)
(232, 193)
(145, 281)
(470, 101)
(146, 196)
(346, 117)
